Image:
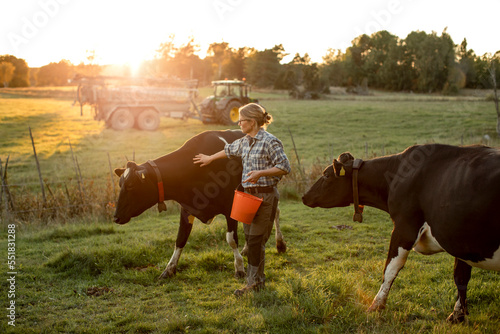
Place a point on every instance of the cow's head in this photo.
(138, 192)
(334, 187)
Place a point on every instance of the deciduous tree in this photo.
(21, 72)
(492, 69)
(263, 67)
(6, 73)
(219, 53)
(55, 74)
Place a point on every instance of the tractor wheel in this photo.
(230, 115)
(148, 120)
(122, 119)
(206, 115)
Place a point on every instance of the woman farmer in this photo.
(264, 163)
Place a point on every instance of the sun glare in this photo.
(122, 59)
(121, 54)
(134, 65)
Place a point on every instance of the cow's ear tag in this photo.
(141, 176)
(342, 171)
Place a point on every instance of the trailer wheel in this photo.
(148, 120)
(122, 119)
(230, 115)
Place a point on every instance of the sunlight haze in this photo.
(127, 32)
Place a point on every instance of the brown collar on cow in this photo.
(161, 195)
(358, 209)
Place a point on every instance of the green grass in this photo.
(85, 274)
(366, 126)
(328, 128)
(97, 277)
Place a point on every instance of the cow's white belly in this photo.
(488, 264)
(426, 243)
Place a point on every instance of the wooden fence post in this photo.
(38, 167)
(78, 176)
(302, 173)
(1, 185)
(5, 190)
(112, 179)
(8, 196)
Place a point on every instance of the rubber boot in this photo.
(261, 276)
(253, 284)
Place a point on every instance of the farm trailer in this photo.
(125, 102)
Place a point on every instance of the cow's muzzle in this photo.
(119, 221)
(307, 200)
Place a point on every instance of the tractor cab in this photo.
(229, 96)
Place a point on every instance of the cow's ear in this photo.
(119, 171)
(346, 157)
(132, 165)
(339, 168)
(343, 166)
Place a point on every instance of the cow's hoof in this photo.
(456, 317)
(375, 307)
(167, 274)
(240, 274)
(281, 246)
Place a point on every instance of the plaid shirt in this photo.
(262, 152)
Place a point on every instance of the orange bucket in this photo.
(245, 207)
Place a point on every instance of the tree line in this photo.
(421, 62)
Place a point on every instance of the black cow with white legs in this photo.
(440, 198)
(202, 193)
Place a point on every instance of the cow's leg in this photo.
(232, 240)
(244, 251)
(280, 242)
(461, 273)
(185, 227)
(400, 246)
(171, 268)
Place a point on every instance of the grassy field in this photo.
(87, 275)
(367, 126)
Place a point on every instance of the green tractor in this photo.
(222, 107)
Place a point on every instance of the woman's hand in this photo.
(202, 159)
(253, 176)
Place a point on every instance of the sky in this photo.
(127, 32)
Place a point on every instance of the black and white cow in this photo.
(440, 198)
(202, 192)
